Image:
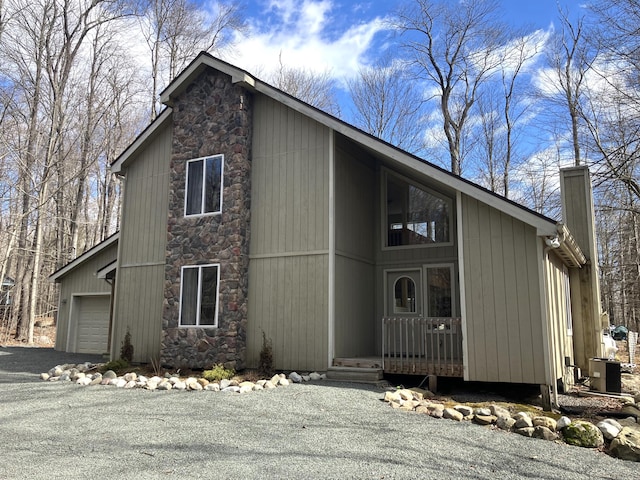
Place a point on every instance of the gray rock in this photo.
(523, 420)
(315, 376)
(484, 419)
(65, 377)
(231, 389)
(525, 432)
(505, 422)
(627, 444)
(109, 374)
(465, 410)
(499, 411)
(545, 433)
(295, 377)
(485, 412)
(453, 414)
(306, 378)
(609, 428)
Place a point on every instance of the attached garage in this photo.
(92, 324)
(84, 308)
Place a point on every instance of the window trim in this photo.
(204, 186)
(198, 305)
(384, 214)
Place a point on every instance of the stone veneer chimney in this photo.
(212, 116)
(578, 215)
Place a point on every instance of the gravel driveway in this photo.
(321, 430)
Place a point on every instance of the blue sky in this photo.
(340, 35)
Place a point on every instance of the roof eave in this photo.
(76, 262)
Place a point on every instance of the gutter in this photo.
(566, 247)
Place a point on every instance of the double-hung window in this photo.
(203, 193)
(199, 295)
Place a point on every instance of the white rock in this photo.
(180, 385)
(224, 383)
(231, 389)
(485, 412)
(130, 376)
(213, 387)
(323, 376)
(283, 382)
(261, 382)
(609, 428)
(269, 385)
(44, 376)
(142, 379)
(130, 384)
(54, 379)
(195, 386)
(295, 377)
(148, 385)
(65, 377)
(164, 385)
(563, 422)
(156, 379)
(306, 378)
(83, 381)
(246, 389)
(523, 420)
(275, 379)
(110, 374)
(174, 380)
(257, 387)
(315, 376)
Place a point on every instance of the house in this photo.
(6, 293)
(247, 212)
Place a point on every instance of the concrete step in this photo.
(355, 374)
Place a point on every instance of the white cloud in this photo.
(306, 35)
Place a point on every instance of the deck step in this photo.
(361, 362)
(355, 374)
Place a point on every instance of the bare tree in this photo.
(314, 88)
(176, 30)
(454, 46)
(388, 105)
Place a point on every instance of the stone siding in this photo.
(212, 116)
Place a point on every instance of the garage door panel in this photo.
(92, 324)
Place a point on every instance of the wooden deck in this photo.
(422, 346)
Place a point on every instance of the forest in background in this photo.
(503, 106)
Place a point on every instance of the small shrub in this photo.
(126, 349)
(266, 357)
(118, 366)
(218, 372)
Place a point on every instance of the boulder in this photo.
(465, 410)
(583, 434)
(626, 445)
(484, 419)
(499, 411)
(609, 428)
(545, 433)
(505, 422)
(525, 431)
(295, 377)
(452, 414)
(547, 422)
(563, 422)
(523, 420)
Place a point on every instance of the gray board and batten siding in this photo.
(142, 251)
(504, 315)
(289, 247)
(81, 281)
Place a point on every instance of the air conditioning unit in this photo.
(605, 375)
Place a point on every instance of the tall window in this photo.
(203, 193)
(415, 216)
(199, 295)
(404, 296)
(439, 291)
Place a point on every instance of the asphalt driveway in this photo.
(322, 430)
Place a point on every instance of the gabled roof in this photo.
(391, 154)
(75, 263)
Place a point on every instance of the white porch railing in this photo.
(422, 346)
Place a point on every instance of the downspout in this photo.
(551, 243)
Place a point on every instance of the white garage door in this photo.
(93, 324)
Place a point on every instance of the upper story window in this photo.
(415, 215)
(203, 192)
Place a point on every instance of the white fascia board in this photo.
(141, 140)
(55, 276)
